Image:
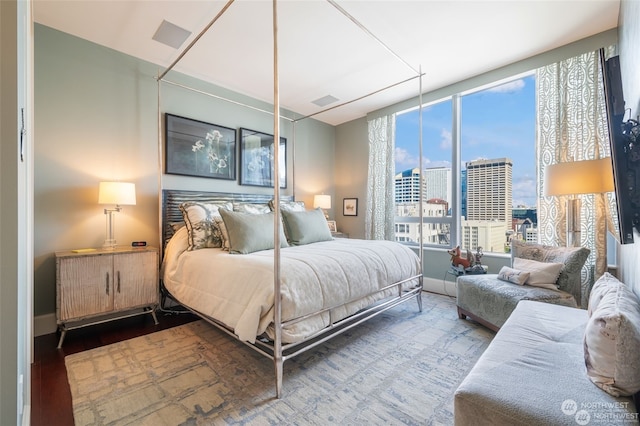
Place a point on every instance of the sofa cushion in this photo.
(573, 258)
(612, 339)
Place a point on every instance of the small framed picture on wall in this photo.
(350, 207)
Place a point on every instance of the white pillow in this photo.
(513, 275)
(612, 342)
(604, 285)
(541, 274)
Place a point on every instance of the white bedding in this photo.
(237, 290)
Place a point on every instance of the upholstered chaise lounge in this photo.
(490, 300)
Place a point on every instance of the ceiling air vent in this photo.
(325, 100)
(171, 34)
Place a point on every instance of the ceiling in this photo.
(322, 52)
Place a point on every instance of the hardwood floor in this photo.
(50, 394)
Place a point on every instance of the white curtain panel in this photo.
(379, 216)
(572, 126)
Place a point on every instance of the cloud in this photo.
(510, 87)
(445, 141)
(524, 191)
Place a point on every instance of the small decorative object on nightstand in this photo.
(99, 285)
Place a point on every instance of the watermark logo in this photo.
(585, 413)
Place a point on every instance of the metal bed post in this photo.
(277, 350)
(420, 195)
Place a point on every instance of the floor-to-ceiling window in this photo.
(486, 197)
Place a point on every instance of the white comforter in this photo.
(237, 290)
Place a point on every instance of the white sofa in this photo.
(533, 373)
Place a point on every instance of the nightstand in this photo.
(339, 235)
(101, 285)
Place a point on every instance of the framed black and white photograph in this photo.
(332, 226)
(350, 207)
(196, 148)
(256, 159)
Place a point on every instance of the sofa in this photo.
(555, 365)
(538, 272)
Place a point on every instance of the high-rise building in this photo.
(436, 184)
(489, 186)
(407, 186)
(463, 193)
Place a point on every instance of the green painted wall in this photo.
(97, 119)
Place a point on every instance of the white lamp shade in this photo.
(579, 177)
(118, 193)
(322, 201)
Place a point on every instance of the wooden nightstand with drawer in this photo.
(101, 285)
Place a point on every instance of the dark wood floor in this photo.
(50, 394)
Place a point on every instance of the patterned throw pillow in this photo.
(513, 275)
(199, 218)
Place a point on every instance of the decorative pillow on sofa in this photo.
(602, 286)
(250, 232)
(306, 227)
(513, 275)
(199, 218)
(541, 274)
(573, 258)
(612, 341)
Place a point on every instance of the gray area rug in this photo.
(402, 367)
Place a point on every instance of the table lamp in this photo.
(117, 194)
(324, 202)
(575, 178)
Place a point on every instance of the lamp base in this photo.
(109, 244)
(574, 237)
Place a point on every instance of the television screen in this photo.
(625, 156)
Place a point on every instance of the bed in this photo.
(326, 285)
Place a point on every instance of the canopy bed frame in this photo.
(170, 200)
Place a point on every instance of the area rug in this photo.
(402, 367)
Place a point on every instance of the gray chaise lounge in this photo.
(490, 301)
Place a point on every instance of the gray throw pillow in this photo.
(306, 227)
(250, 232)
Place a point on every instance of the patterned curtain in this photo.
(572, 126)
(379, 221)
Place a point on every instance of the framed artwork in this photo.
(256, 159)
(332, 226)
(196, 148)
(350, 207)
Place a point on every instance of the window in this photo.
(483, 199)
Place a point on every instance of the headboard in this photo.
(172, 198)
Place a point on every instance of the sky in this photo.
(497, 122)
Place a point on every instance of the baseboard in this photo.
(44, 324)
(434, 285)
